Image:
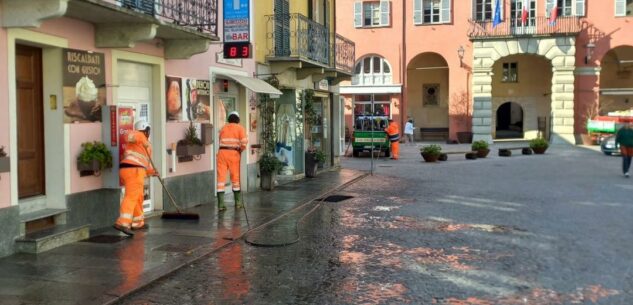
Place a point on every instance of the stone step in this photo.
(48, 239)
(26, 217)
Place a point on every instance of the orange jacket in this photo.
(393, 132)
(138, 151)
(233, 136)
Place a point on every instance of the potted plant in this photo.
(5, 162)
(431, 152)
(320, 157)
(311, 162)
(269, 165)
(191, 145)
(539, 145)
(481, 147)
(94, 157)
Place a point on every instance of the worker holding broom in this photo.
(135, 165)
(393, 133)
(233, 141)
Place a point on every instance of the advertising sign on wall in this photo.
(173, 98)
(84, 85)
(236, 21)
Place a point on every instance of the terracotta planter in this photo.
(539, 150)
(430, 157)
(268, 181)
(5, 164)
(189, 150)
(482, 153)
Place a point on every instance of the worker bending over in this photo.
(393, 133)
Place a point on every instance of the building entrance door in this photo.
(135, 91)
(30, 122)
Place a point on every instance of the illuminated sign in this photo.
(237, 50)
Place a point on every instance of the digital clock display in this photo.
(237, 50)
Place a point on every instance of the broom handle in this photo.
(171, 197)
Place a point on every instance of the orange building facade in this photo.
(516, 69)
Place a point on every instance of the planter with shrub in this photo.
(269, 165)
(311, 163)
(320, 157)
(431, 152)
(191, 145)
(481, 147)
(94, 157)
(539, 145)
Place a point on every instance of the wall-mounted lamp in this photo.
(590, 46)
(460, 53)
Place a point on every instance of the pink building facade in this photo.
(71, 67)
(541, 69)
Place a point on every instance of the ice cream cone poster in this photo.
(173, 99)
(84, 85)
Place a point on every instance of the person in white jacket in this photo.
(408, 131)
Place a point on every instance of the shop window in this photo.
(510, 72)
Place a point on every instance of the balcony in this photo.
(294, 37)
(537, 26)
(343, 54)
(186, 27)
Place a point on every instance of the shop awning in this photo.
(254, 84)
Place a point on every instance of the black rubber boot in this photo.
(221, 206)
(237, 195)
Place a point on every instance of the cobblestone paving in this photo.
(552, 229)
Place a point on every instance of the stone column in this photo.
(563, 105)
(482, 104)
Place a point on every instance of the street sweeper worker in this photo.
(135, 165)
(393, 133)
(233, 141)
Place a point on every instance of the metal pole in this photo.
(371, 151)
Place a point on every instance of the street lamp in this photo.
(460, 53)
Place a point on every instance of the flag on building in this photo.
(525, 13)
(553, 15)
(497, 18)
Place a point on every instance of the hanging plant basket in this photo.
(5, 164)
(90, 166)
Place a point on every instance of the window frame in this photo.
(506, 73)
(625, 8)
(482, 9)
(374, 10)
(360, 66)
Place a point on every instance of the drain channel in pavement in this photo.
(335, 198)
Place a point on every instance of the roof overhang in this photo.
(373, 89)
(254, 84)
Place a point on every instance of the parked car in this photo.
(609, 147)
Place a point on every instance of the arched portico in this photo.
(560, 51)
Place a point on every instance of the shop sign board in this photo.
(236, 21)
(84, 85)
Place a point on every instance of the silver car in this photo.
(609, 147)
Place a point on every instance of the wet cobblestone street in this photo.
(552, 229)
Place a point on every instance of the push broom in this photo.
(172, 215)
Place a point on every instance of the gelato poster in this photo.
(197, 100)
(173, 98)
(84, 85)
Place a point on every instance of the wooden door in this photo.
(30, 121)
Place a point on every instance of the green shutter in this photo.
(620, 7)
(358, 14)
(417, 12)
(446, 11)
(384, 13)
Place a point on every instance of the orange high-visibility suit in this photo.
(233, 141)
(135, 166)
(393, 133)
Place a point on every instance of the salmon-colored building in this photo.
(499, 69)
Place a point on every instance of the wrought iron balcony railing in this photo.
(536, 26)
(294, 36)
(200, 15)
(344, 53)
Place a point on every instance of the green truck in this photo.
(369, 132)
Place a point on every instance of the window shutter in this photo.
(446, 11)
(384, 13)
(358, 14)
(417, 12)
(548, 7)
(503, 9)
(580, 7)
(620, 7)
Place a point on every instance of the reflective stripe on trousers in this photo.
(228, 163)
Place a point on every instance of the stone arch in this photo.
(560, 51)
(616, 80)
(509, 120)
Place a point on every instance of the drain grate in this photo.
(105, 239)
(335, 198)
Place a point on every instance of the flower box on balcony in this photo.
(5, 164)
